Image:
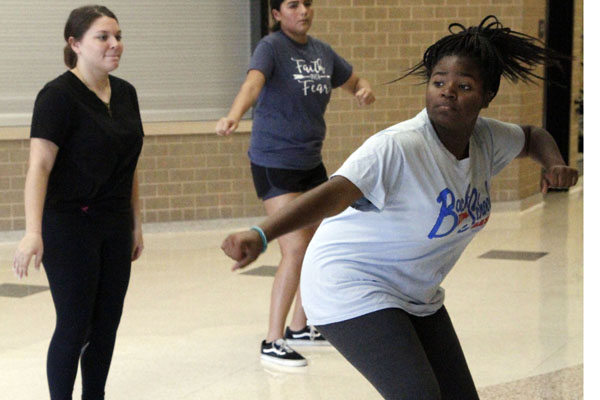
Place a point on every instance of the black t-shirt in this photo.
(98, 148)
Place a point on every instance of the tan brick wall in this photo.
(185, 177)
(13, 166)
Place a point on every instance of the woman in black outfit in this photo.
(81, 200)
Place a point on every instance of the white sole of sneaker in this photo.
(278, 371)
(302, 343)
(285, 363)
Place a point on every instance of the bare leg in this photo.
(285, 285)
(298, 321)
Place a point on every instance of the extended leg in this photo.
(285, 285)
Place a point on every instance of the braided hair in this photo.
(498, 51)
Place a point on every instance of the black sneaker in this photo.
(309, 336)
(278, 352)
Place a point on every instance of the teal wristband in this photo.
(262, 236)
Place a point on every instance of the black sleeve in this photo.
(136, 104)
(51, 116)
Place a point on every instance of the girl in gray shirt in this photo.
(290, 79)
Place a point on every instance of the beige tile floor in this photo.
(191, 328)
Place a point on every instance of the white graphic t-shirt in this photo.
(421, 207)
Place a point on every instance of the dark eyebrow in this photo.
(105, 31)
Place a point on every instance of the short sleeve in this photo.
(342, 70)
(51, 116)
(376, 169)
(136, 104)
(263, 59)
(507, 143)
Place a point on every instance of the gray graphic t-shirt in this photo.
(288, 127)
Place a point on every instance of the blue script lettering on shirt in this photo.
(458, 210)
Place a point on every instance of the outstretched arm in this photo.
(540, 146)
(246, 97)
(326, 200)
(360, 88)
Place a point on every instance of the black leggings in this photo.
(403, 356)
(87, 258)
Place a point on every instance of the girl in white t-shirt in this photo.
(403, 207)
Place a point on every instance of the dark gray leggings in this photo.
(403, 356)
